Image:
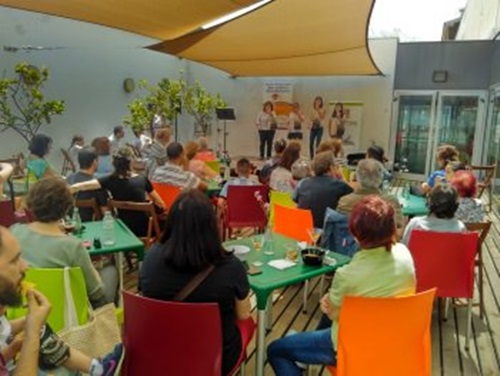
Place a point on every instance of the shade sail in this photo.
(286, 38)
(161, 19)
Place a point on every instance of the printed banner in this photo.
(280, 93)
(347, 119)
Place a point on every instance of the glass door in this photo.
(492, 142)
(460, 122)
(414, 115)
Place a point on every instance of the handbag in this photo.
(99, 335)
(193, 284)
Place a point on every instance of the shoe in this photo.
(112, 362)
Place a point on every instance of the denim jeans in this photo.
(307, 347)
(314, 138)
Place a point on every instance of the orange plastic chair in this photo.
(167, 192)
(293, 222)
(445, 260)
(394, 341)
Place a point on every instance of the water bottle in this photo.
(268, 245)
(77, 221)
(108, 229)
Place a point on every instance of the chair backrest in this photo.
(167, 192)
(214, 165)
(444, 260)
(385, 336)
(50, 282)
(153, 232)
(90, 203)
(68, 163)
(167, 338)
(280, 198)
(7, 216)
(243, 208)
(292, 222)
(489, 173)
(336, 235)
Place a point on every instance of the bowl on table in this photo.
(313, 256)
(239, 251)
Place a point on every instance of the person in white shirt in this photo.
(141, 141)
(116, 139)
(295, 123)
(266, 125)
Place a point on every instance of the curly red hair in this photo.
(465, 183)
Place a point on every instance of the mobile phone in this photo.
(251, 270)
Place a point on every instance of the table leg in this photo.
(120, 277)
(269, 312)
(261, 342)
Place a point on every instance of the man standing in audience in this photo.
(87, 158)
(243, 169)
(157, 152)
(369, 175)
(173, 172)
(116, 139)
(322, 190)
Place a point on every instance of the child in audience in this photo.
(445, 154)
(243, 169)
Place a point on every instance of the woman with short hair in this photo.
(382, 268)
(102, 147)
(189, 245)
(37, 165)
(470, 209)
(281, 178)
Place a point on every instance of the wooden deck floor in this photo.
(449, 356)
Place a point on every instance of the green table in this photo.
(213, 188)
(412, 205)
(270, 279)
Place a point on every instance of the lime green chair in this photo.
(280, 198)
(214, 165)
(50, 282)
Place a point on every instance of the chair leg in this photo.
(469, 325)
(304, 303)
(481, 291)
(446, 308)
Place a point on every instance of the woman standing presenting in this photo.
(266, 124)
(295, 120)
(318, 115)
(337, 121)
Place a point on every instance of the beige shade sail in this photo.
(286, 38)
(161, 19)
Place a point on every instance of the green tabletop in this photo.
(271, 278)
(412, 205)
(213, 188)
(126, 241)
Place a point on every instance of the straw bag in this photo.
(98, 336)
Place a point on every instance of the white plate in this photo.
(238, 249)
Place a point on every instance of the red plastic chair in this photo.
(243, 208)
(446, 261)
(293, 222)
(7, 216)
(167, 192)
(167, 338)
(402, 327)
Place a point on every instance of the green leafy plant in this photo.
(201, 104)
(23, 107)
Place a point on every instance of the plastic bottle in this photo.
(108, 229)
(77, 221)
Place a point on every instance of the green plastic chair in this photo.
(214, 165)
(50, 282)
(280, 198)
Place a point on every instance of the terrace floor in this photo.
(449, 356)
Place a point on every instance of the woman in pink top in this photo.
(203, 153)
(196, 166)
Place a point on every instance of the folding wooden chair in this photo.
(487, 183)
(90, 204)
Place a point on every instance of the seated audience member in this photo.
(77, 144)
(190, 243)
(470, 209)
(369, 175)
(196, 166)
(44, 243)
(243, 169)
(301, 169)
(204, 154)
(443, 204)
(271, 164)
(322, 190)
(5, 172)
(157, 152)
(377, 153)
(445, 154)
(281, 178)
(37, 165)
(141, 141)
(117, 138)
(87, 160)
(29, 339)
(124, 185)
(173, 172)
(382, 268)
(102, 148)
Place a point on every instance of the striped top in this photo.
(176, 176)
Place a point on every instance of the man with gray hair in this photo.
(321, 191)
(369, 175)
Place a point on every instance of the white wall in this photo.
(481, 20)
(88, 74)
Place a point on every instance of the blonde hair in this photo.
(203, 143)
(163, 133)
(191, 148)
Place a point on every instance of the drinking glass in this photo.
(314, 235)
(257, 245)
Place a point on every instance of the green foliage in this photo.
(167, 98)
(23, 107)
